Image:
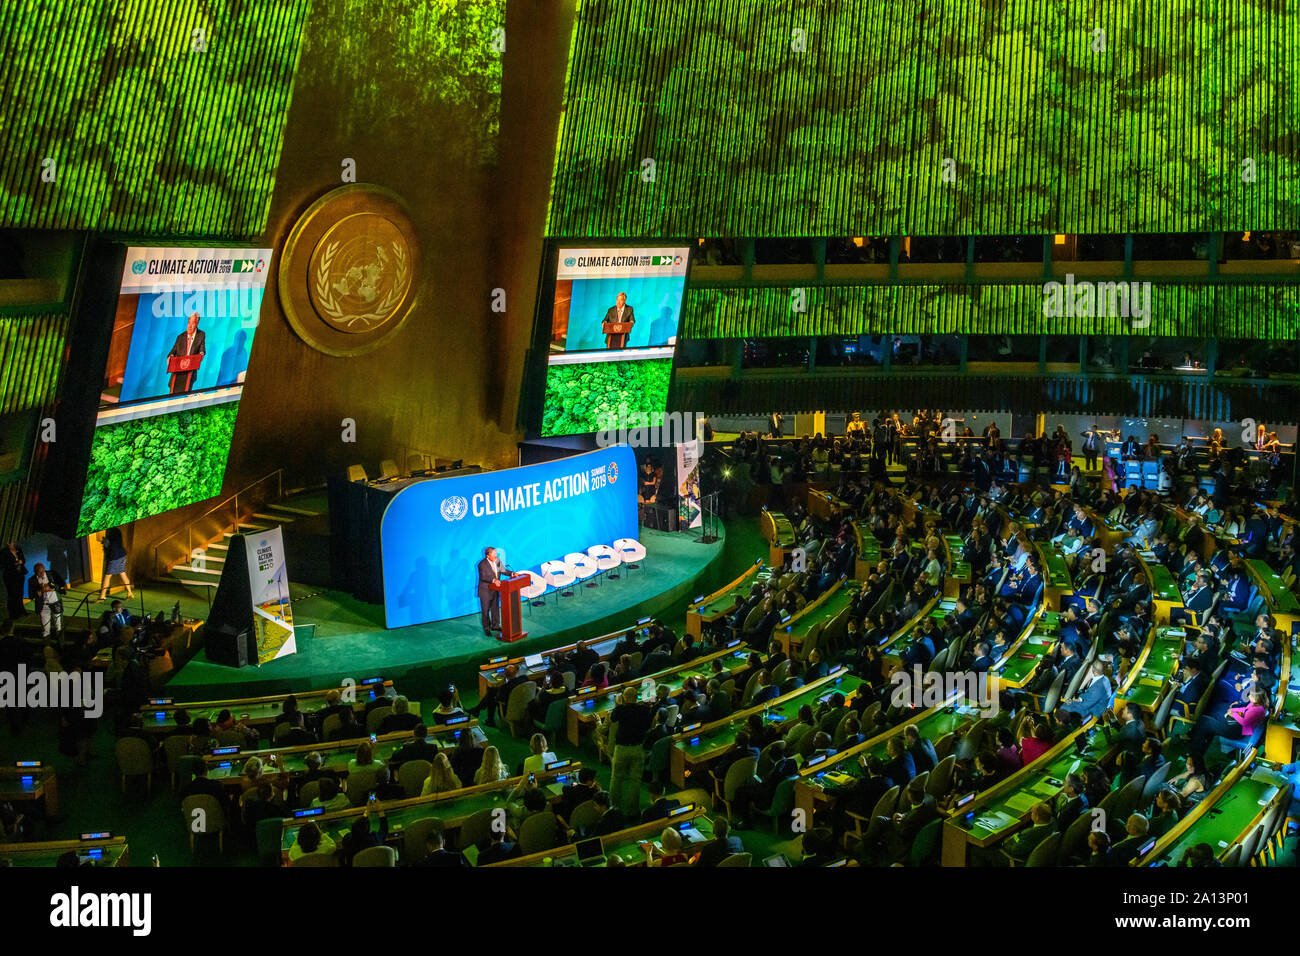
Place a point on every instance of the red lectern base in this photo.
(511, 638)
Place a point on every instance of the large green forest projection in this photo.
(1058, 116)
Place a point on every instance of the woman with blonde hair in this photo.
(540, 754)
(492, 769)
(441, 777)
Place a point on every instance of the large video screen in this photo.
(182, 334)
(613, 332)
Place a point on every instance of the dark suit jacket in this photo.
(54, 577)
(497, 852)
(198, 348)
(486, 575)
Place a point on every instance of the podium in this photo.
(615, 328)
(510, 608)
(183, 363)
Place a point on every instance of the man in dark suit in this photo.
(1042, 825)
(489, 601)
(202, 785)
(417, 749)
(921, 750)
(889, 838)
(725, 844)
(439, 855)
(660, 806)
(1070, 802)
(1192, 687)
(619, 312)
(189, 342)
(499, 849)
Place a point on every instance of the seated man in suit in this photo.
(1190, 687)
(1095, 697)
(660, 805)
(440, 856)
(202, 785)
(760, 791)
(888, 839)
(499, 849)
(900, 767)
(920, 749)
(1042, 825)
(1123, 852)
(725, 844)
(766, 689)
(1070, 802)
(418, 748)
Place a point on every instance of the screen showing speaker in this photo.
(613, 332)
(182, 334)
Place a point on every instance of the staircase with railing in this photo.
(195, 554)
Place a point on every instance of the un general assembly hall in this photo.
(917, 491)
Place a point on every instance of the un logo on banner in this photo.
(570, 262)
(138, 267)
(611, 472)
(454, 508)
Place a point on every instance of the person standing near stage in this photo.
(489, 601)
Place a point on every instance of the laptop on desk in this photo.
(590, 852)
(534, 662)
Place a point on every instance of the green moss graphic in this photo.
(587, 398)
(146, 466)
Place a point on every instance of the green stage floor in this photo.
(344, 637)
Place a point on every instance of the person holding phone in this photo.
(364, 834)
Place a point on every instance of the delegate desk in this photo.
(1284, 728)
(106, 851)
(1225, 816)
(694, 748)
(1164, 592)
(226, 764)
(452, 808)
(819, 784)
(19, 784)
(824, 505)
(988, 818)
(868, 555)
(779, 534)
(1107, 534)
(160, 718)
(584, 709)
(706, 610)
(816, 616)
(629, 844)
(1057, 583)
(1281, 600)
(1155, 666)
(958, 575)
(1017, 667)
(493, 672)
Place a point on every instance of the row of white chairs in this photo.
(580, 565)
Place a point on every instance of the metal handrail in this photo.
(188, 530)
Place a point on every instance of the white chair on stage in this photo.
(535, 588)
(558, 575)
(631, 551)
(584, 566)
(606, 558)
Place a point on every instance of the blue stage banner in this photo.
(433, 533)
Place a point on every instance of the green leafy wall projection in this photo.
(146, 132)
(146, 466)
(588, 397)
(1051, 126)
(441, 55)
(1244, 311)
